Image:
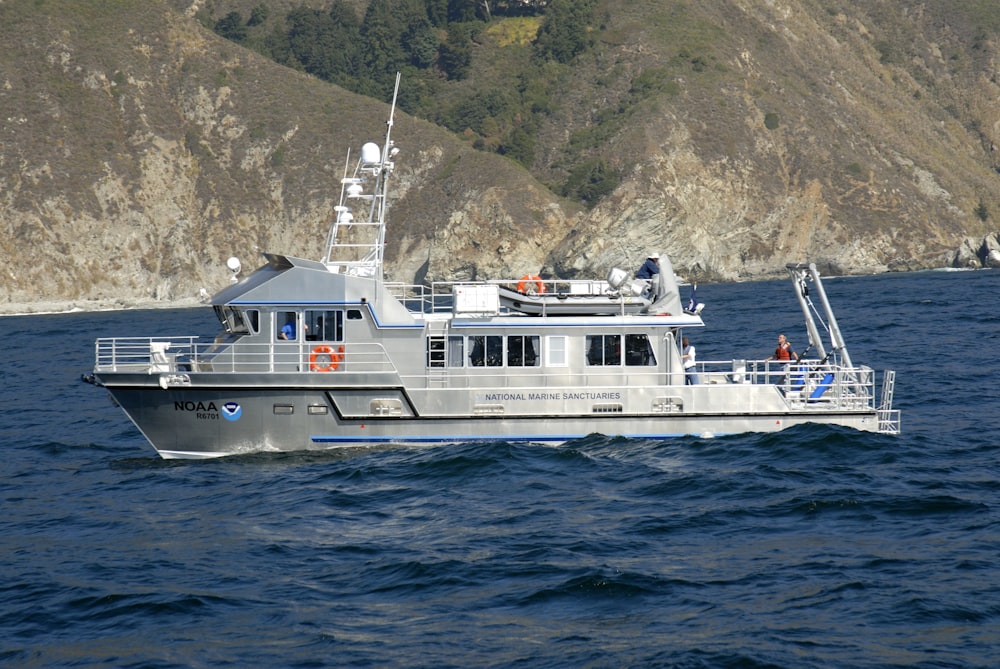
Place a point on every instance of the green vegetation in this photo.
(508, 76)
(432, 42)
(982, 212)
(886, 52)
(565, 32)
(591, 181)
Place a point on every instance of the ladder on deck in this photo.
(436, 341)
(888, 418)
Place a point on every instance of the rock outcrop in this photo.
(138, 151)
(975, 253)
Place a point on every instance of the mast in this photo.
(389, 151)
(356, 243)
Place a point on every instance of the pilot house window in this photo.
(326, 325)
(638, 351)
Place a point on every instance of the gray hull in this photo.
(213, 422)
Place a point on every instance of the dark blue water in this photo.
(815, 547)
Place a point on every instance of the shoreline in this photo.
(86, 306)
(122, 304)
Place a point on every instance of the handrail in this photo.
(187, 354)
(807, 385)
(438, 296)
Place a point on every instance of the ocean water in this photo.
(814, 547)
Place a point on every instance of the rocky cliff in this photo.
(138, 151)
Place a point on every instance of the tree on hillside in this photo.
(326, 44)
(590, 181)
(420, 42)
(565, 30)
(396, 35)
(258, 15)
(455, 54)
(232, 27)
(463, 11)
(519, 145)
(437, 12)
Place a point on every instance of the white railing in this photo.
(807, 386)
(123, 354)
(438, 297)
(808, 383)
(154, 355)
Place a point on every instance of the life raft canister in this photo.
(325, 359)
(525, 284)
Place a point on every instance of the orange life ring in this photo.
(333, 359)
(525, 284)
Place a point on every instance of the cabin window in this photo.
(286, 326)
(638, 351)
(354, 315)
(555, 351)
(327, 325)
(238, 322)
(487, 351)
(522, 351)
(435, 351)
(604, 350)
(252, 319)
(456, 351)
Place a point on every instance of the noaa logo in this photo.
(232, 411)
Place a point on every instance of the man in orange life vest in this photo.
(784, 352)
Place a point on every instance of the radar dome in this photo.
(370, 154)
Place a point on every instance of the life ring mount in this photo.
(531, 283)
(324, 359)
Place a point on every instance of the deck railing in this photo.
(438, 297)
(155, 355)
(807, 382)
(807, 385)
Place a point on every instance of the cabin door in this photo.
(672, 360)
(289, 343)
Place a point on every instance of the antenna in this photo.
(392, 114)
(388, 152)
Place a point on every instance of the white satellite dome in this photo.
(370, 154)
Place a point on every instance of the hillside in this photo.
(138, 150)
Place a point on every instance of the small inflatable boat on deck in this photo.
(583, 298)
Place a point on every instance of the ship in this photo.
(327, 354)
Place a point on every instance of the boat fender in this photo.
(525, 284)
(325, 359)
